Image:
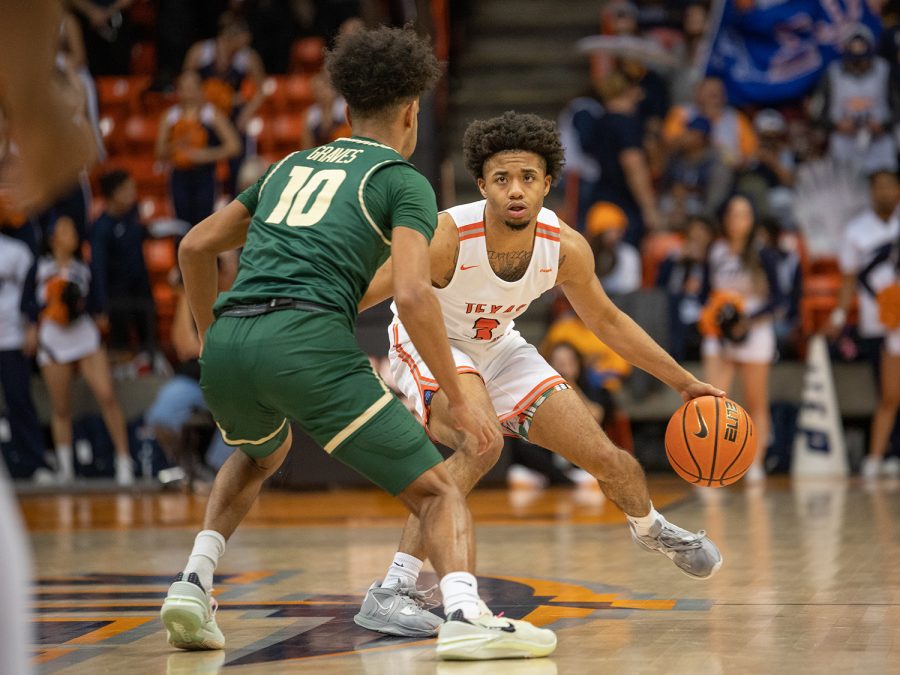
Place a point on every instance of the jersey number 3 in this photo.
(307, 196)
(484, 328)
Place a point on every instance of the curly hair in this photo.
(375, 70)
(509, 132)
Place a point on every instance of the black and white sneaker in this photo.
(492, 637)
(189, 615)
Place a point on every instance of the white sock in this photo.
(209, 546)
(65, 461)
(404, 571)
(644, 523)
(460, 591)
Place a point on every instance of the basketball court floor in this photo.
(810, 584)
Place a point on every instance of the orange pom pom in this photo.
(709, 324)
(889, 306)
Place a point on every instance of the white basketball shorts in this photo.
(516, 376)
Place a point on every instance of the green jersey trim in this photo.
(362, 200)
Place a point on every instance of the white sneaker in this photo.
(189, 615)
(520, 477)
(492, 637)
(44, 476)
(124, 471)
(871, 468)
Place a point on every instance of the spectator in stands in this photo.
(684, 276)
(685, 78)
(865, 261)
(855, 105)
(16, 347)
(71, 49)
(58, 299)
(121, 282)
(185, 140)
(108, 34)
(744, 278)
(181, 397)
(326, 119)
(615, 142)
(769, 175)
(603, 368)
(618, 263)
(224, 64)
(790, 280)
(732, 132)
(695, 181)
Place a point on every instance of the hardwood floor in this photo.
(810, 582)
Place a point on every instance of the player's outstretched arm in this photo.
(420, 312)
(224, 230)
(613, 326)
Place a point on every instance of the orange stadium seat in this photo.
(119, 96)
(151, 176)
(160, 258)
(298, 93)
(140, 134)
(307, 54)
(113, 133)
(281, 135)
(819, 299)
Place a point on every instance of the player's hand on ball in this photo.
(482, 430)
(697, 389)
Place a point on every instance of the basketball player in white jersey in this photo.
(489, 260)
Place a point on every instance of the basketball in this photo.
(710, 441)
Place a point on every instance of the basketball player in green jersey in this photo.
(280, 344)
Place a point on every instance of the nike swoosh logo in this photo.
(384, 610)
(546, 269)
(703, 432)
(467, 267)
(396, 564)
(508, 628)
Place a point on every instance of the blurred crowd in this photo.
(680, 192)
(691, 205)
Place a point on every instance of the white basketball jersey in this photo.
(479, 307)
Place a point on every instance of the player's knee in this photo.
(428, 489)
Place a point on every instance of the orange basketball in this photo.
(710, 441)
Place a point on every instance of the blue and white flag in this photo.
(771, 51)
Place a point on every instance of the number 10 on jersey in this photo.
(295, 201)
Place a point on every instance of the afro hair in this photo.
(375, 70)
(513, 132)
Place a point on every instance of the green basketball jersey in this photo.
(322, 220)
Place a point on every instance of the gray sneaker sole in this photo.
(388, 628)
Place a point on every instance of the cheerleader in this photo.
(737, 323)
(56, 298)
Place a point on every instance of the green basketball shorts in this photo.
(258, 372)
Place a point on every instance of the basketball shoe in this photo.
(492, 637)
(397, 610)
(693, 554)
(189, 615)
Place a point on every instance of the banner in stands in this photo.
(771, 51)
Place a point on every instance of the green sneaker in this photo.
(189, 615)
